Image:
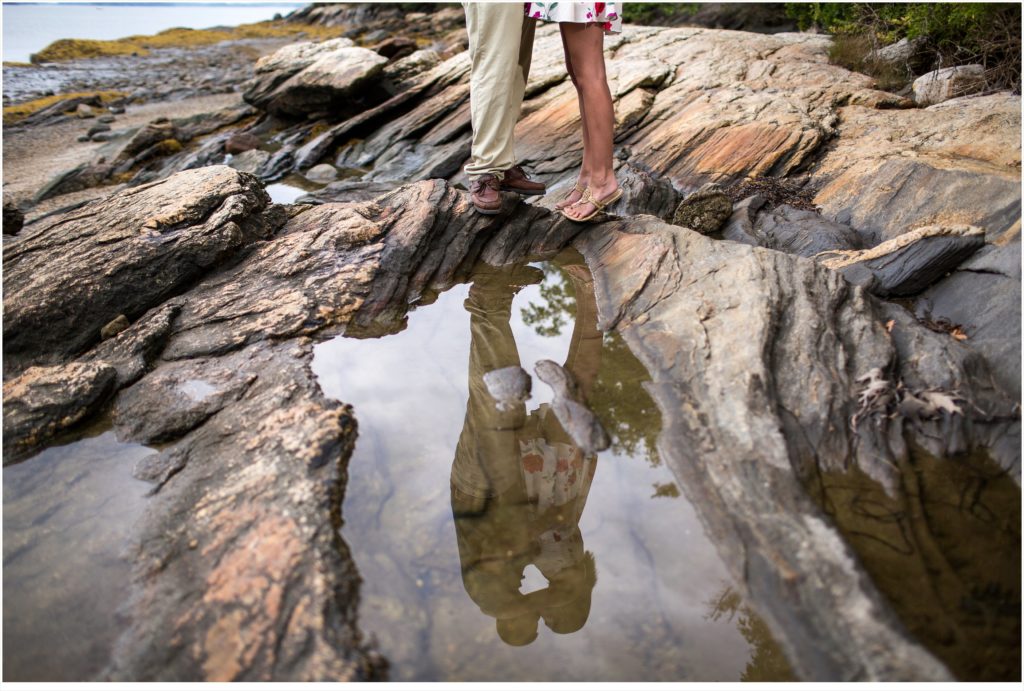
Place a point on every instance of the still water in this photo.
(491, 547)
(30, 27)
(69, 512)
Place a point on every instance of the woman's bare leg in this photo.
(583, 179)
(585, 49)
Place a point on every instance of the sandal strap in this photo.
(588, 196)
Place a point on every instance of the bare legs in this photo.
(584, 60)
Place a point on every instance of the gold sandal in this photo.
(599, 205)
(565, 203)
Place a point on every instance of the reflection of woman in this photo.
(583, 26)
(519, 483)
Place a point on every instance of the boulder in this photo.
(310, 79)
(155, 239)
(949, 82)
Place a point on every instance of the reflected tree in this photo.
(618, 398)
(766, 663)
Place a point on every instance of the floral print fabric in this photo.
(604, 13)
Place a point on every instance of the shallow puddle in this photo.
(68, 516)
(490, 546)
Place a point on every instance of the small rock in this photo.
(705, 211)
(114, 327)
(104, 136)
(375, 36)
(106, 118)
(84, 111)
(117, 110)
(323, 172)
(83, 138)
(508, 386)
(96, 129)
(241, 141)
(950, 82)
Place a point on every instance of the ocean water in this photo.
(30, 27)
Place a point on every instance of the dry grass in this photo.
(19, 111)
(139, 44)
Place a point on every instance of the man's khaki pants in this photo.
(500, 48)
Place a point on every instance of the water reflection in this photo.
(519, 483)
(644, 617)
(68, 516)
(946, 551)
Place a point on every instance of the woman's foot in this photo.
(575, 194)
(586, 208)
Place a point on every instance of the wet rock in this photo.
(509, 386)
(909, 263)
(323, 172)
(154, 239)
(803, 232)
(705, 210)
(186, 393)
(114, 327)
(347, 191)
(949, 82)
(238, 559)
(96, 129)
(241, 141)
(106, 118)
(13, 218)
(44, 401)
(313, 77)
(576, 419)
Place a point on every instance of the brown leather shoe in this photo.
(516, 181)
(484, 191)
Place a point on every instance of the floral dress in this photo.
(604, 13)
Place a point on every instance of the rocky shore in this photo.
(821, 278)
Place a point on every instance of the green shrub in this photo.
(951, 33)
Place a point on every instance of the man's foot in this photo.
(516, 180)
(485, 194)
(575, 194)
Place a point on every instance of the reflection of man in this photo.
(519, 483)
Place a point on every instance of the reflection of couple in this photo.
(519, 483)
(500, 49)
